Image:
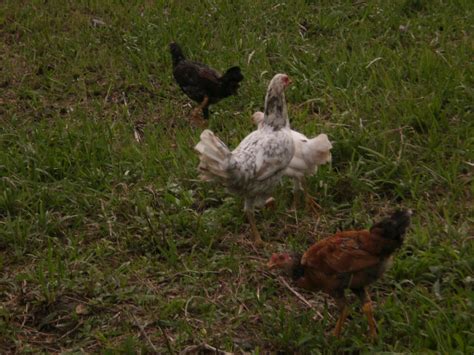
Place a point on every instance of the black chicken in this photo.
(201, 83)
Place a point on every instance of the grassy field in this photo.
(107, 244)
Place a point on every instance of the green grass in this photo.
(109, 245)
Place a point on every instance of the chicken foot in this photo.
(196, 112)
(310, 201)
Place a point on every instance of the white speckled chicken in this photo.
(309, 155)
(256, 166)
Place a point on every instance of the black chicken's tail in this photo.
(176, 53)
(233, 74)
(230, 81)
(393, 227)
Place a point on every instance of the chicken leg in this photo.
(200, 108)
(256, 235)
(341, 305)
(296, 196)
(368, 311)
(205, 112)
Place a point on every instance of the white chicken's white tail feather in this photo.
(214, 157)
(318, 150)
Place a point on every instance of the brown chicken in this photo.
(347, 260)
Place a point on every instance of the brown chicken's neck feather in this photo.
(393, 227)
(294, 268)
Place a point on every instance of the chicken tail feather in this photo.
(213, 157)
(233, 74)
(320, 149)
